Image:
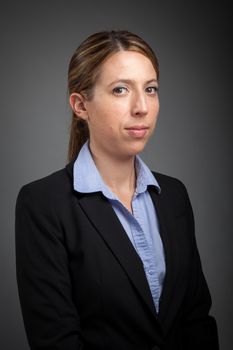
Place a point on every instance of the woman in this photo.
(106, 252)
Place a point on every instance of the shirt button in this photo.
(150, 272)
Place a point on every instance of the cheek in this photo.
(106, 117)
(155, 110)
(102, 124)
(113, 117)
(158, 105)
(118, 107)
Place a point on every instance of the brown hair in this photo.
(85, 65)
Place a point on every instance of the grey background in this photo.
(193, 138)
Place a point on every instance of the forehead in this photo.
(127, 65)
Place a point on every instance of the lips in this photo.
(137, 127)
(137, 131)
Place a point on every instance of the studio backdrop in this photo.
(192, 141)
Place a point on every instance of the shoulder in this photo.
(48, 190)
(167, 182)
(173, 190)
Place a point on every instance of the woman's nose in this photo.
(139, 105)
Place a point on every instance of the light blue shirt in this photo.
(142, 226)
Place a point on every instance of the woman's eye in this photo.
(119, 90)
(152, 89)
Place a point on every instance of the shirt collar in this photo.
(87, 178)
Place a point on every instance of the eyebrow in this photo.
(129, 81)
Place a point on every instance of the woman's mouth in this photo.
(137, 131)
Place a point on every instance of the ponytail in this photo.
(79, 134)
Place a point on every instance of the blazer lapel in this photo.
(167, 223)
(103, 217)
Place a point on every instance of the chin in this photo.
(137, 148)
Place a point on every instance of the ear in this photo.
(77, 103)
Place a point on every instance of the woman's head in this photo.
(85, 68)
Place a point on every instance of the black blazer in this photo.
(82, 285)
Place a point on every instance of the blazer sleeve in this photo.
(199, 328)
(50, 317)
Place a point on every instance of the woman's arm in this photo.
(50, 317)
(199, 328)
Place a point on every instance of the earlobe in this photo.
(77, 103)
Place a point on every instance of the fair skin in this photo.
(121, 117)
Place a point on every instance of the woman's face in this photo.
(123, 110)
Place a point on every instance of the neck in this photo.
(117, 173)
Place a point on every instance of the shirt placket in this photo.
(144, 249)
